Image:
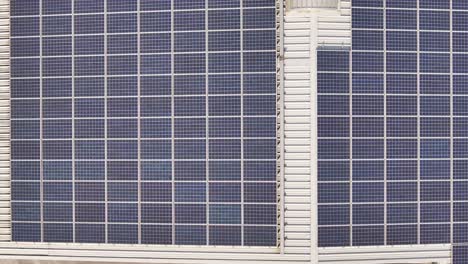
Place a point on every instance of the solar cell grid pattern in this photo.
(144, 122)
(393, 127)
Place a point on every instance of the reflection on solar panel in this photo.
(144, 121)
(393, 135)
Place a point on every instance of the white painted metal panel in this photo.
(147, 254)
(5, 227)
(297, 153)
(386, 254)
(312, 3)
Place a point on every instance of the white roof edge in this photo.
(437, 253)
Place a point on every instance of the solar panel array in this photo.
(144, 121)
(393, 127)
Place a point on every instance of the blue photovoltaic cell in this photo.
(392, 131)
(122, 117)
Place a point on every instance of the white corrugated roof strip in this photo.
(335, 29)
(297, 127)
(304, 30)
(5, 230)
(386, 254)
(312, 3)
(334, 24)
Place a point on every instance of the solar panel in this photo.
(144, 122)
(392, 147)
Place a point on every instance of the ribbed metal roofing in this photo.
(312, 3)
